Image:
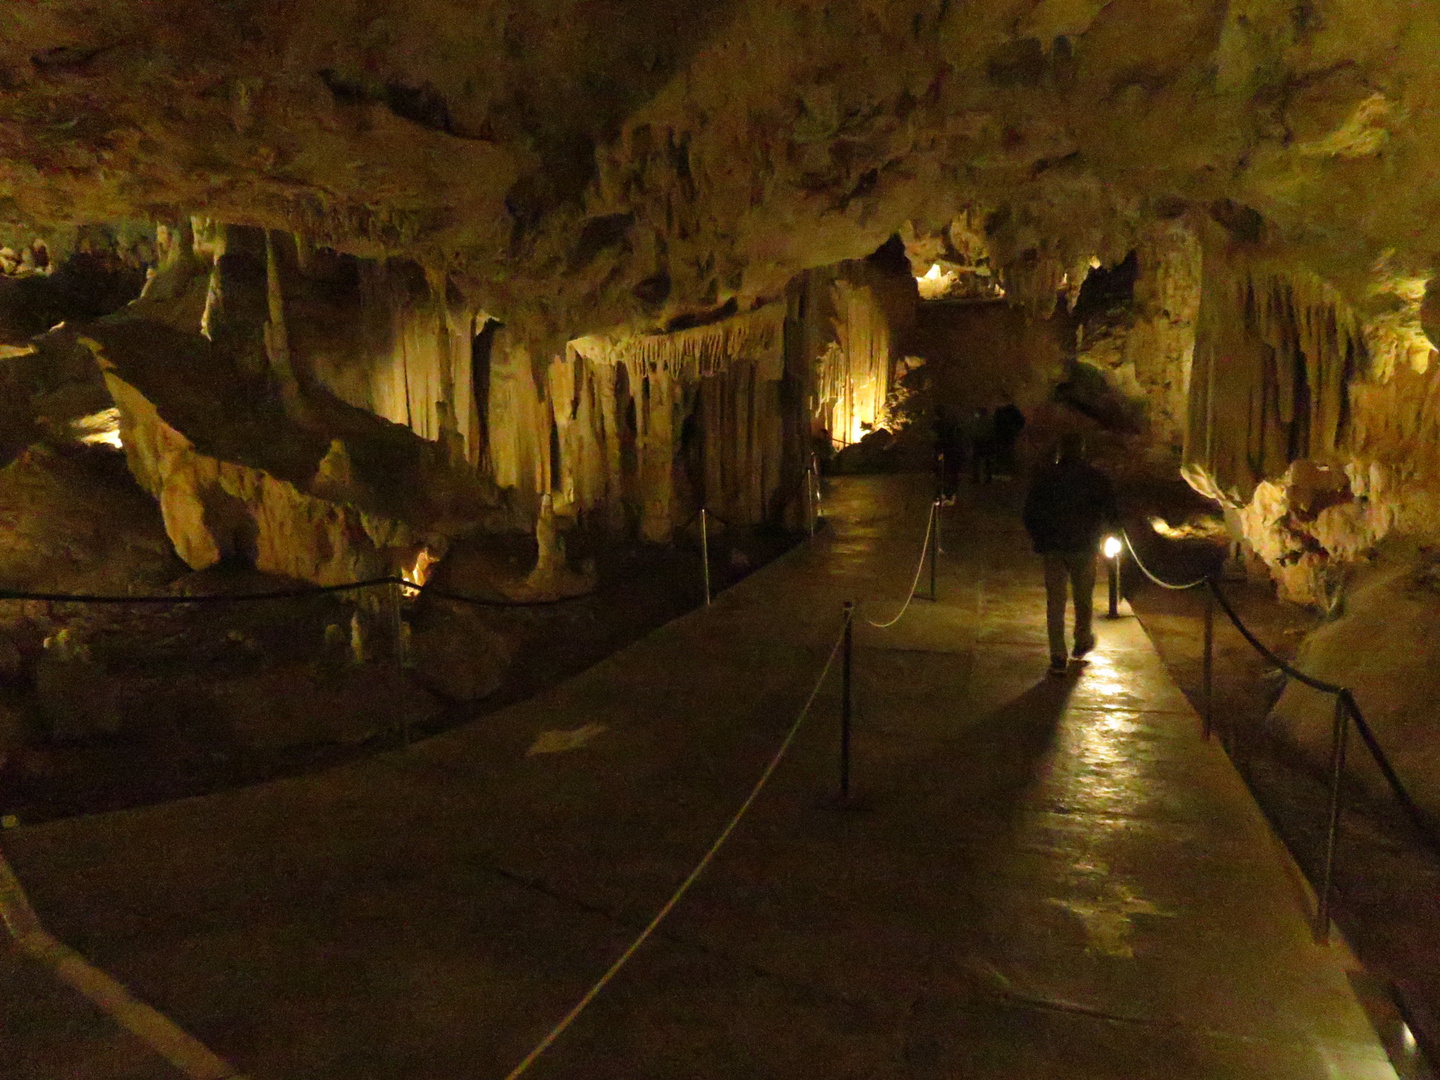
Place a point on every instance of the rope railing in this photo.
(604, 980)
(1347, 712)
(1154, 578)
(1259, 646)
(919, 568)
(201, 598)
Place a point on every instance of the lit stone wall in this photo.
(860, 319)
(1314, 419)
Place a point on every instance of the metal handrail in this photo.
(1347, 711)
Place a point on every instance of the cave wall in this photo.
(1145, 348)
(1313, 418)
(986, 352)
(697, 417)
(856, 321)
(630, 432)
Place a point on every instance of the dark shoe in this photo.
(1083, 647)
(1057, 667)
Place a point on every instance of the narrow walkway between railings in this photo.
(1036, 877)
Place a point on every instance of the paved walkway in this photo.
(1045, 878)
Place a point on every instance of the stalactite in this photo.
(728, 374)
(1275, 351)
(515, 417)
(703, 350)
(662, 395)
(277, 340)
(853, 375)
(604, 380)
(743, 432)
(417, 367)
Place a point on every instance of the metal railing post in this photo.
(1112, 567)
(848, 648)
(1332, 830)
(401, 652)
(811, 510)
(1207, 664)
(705, 551)
(934, 546)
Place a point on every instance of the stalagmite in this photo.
(515, 421)
(277, 339)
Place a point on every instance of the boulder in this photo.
(1384, 647)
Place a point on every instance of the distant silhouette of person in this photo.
(980, 433)
(1009, 422)
(949, 452)
(1067, 510)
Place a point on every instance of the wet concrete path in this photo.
(1043, 878)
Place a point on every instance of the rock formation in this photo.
(416, 273)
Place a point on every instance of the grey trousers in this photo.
(1078, 568)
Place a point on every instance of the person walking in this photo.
(980, 433)
(1067, 510)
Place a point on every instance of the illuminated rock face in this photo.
(542, 238)
(575, 173)
(1311, 416)
(1147, 351)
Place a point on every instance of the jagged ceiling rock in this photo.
(580, 167)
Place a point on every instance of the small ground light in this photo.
(1111, 550)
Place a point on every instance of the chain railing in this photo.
(1347, 714)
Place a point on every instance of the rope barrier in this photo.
(924, 550)
(430, 590)
(1417, 817)
(1157, 580)
(1397, 787)
(675, 897)
(1260, 647)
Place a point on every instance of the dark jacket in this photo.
(1069, 507)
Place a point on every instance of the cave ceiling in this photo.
(583, 166)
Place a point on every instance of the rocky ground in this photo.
(109, 706)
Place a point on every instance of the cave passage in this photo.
(616, 347)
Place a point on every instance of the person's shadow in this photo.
(1005, 751)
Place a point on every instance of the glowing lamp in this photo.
(1111, 550)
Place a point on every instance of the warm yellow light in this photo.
(933, 274)
(100, 427)
(1111, 547)
(419, 572)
